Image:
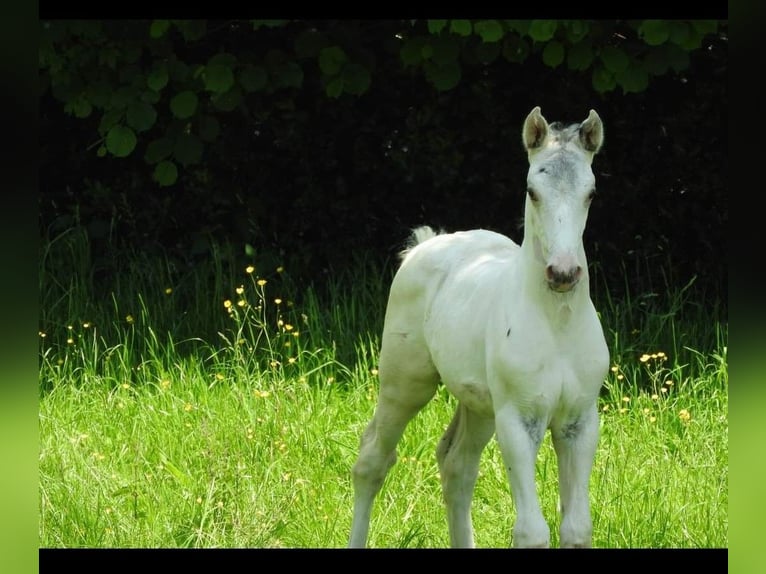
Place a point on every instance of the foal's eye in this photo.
(591, 195)
(531, 193)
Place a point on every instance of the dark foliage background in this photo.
(314, 180)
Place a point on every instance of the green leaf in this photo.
(275, 59)
(229, 100)
(86, 28)
(436, 26)
(309, 43)
(443, 77)
(656, 60)
(461, 27)
(80, 107)
(129, 73)
(123, 96)
(223, 59)
(131, 53)
(580, 56)
(150, 97)
(633, 79)
(487, 53)
(704, 27)
(542, 30)
(120, 141)
(101, 151)
(138, 85)
(489, 30)
(576, 30)
(445, 49)
(179, 71)
(269, 23)
(158, 149)
(109, 119)
(158, 78)
(209, 128)
(107, 56)
(603, 80)
(289, 75)
(253, 78)
(63, 86)
(412, 51)
(218, 78)
(677, 58)
(98, 93)
(184, 104)
(515, 49)
(692, 41)
(165, 173)
(654, 32)
(331, 60)
(615, 59)
(159, 28)
(141, 116)
(192, 29)
(521, 27)
(356, 79)
(661, 58)
(679, 32)
(553, 54)
(334, 87)
(188, 149)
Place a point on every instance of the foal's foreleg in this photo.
(458, 454)
(519, 436)
(575, 442)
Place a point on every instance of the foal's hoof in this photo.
(531, 544)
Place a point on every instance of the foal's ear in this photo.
(592, 133)
(535, 130)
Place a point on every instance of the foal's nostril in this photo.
(561, 277)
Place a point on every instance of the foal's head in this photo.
(560, 187)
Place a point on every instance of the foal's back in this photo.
(440, 305)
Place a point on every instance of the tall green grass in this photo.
(221, 405)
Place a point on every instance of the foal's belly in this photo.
(473, 394)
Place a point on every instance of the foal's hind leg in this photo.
(408, 380)
(459, 453)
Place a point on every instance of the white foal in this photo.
(512, 333)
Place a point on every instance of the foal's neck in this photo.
(557, 307)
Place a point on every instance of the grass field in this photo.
(221, 405)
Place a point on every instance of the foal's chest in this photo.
(548, 366)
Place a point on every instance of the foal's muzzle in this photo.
(562, 281)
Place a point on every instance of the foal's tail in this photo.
(418, 236)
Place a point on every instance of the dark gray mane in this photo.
(560, 162)
(562, 133)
